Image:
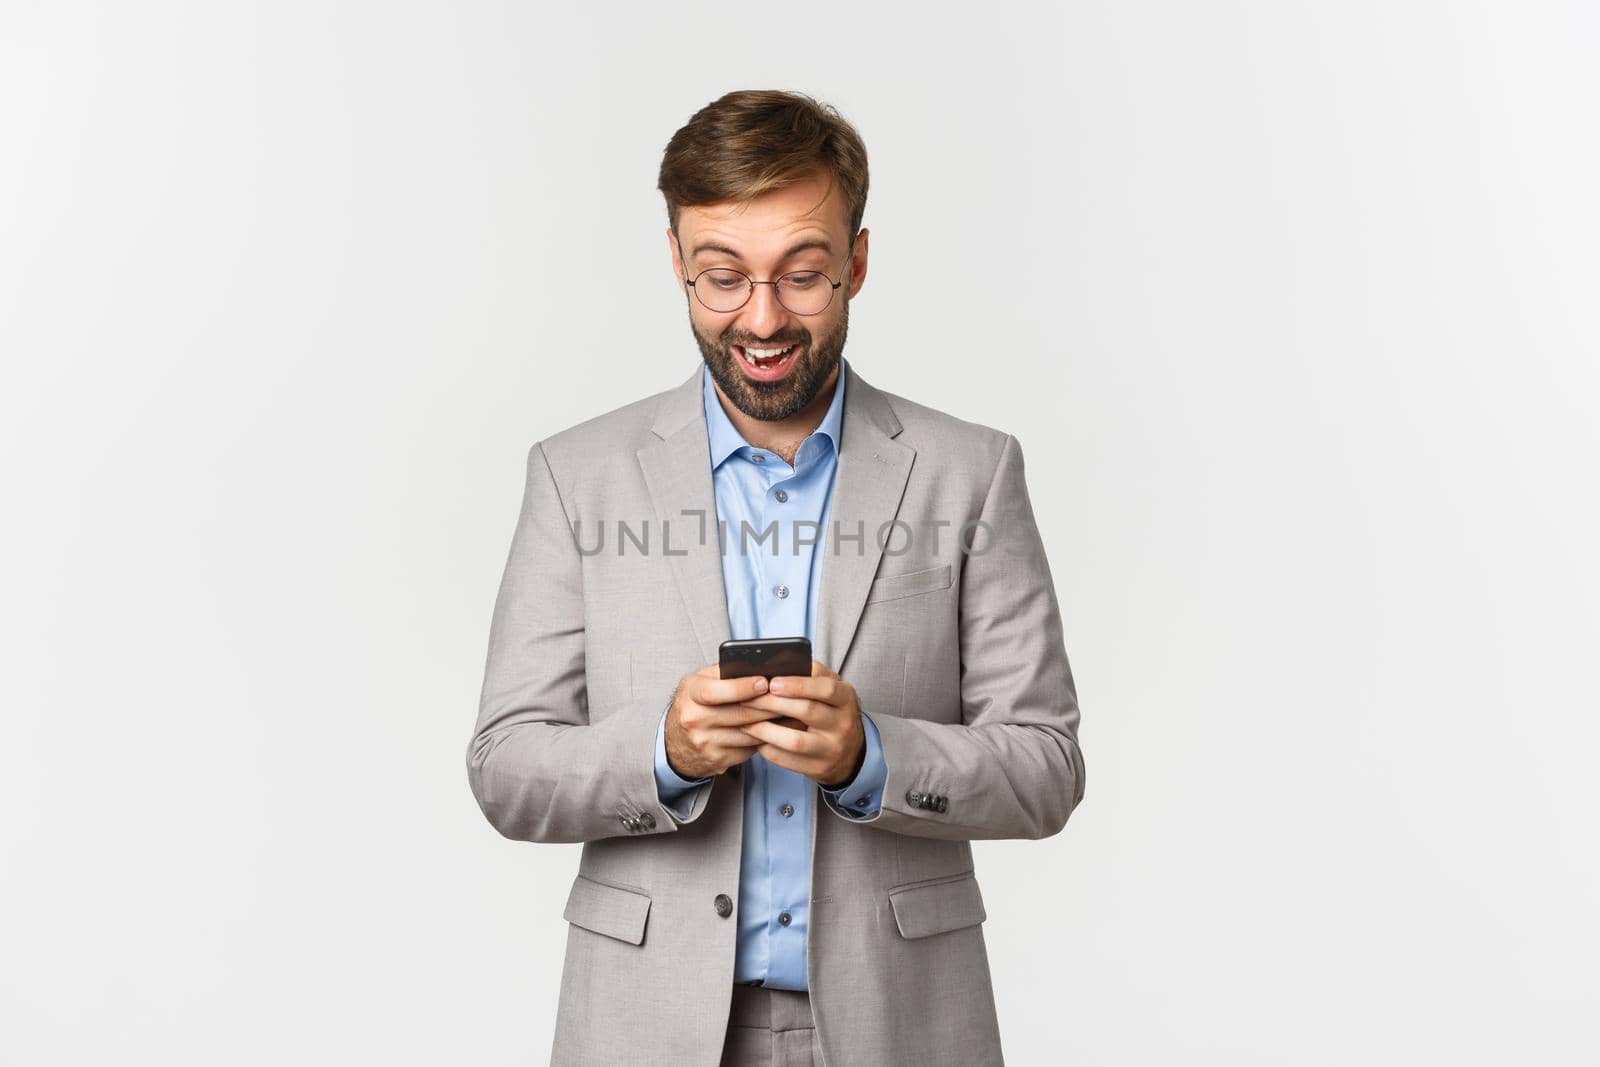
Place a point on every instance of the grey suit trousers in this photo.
(770, 1028)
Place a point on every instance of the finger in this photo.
(787, 760)
(733, 715)
(727, 737)
(811, 715)
(796, 707)
(726, 690)
(797, 723)
(793, 724)
(787, 721)
(819, 668)
(821, 688)
(796, 742)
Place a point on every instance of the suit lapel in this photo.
(677, 472)
(868, 485)
(867, 488)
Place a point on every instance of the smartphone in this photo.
(767, 657)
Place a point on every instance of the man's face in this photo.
(760, 239)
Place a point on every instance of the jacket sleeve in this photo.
(543, 764)
(1012, 767)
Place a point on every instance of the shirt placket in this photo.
(785, 585)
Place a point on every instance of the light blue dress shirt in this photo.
(771, 577)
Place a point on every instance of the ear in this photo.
(858, 263)
(672, 255)
(677, 264)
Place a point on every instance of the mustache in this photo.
(778, 343)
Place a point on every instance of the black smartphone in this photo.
(767, 657)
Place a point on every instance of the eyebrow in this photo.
(789, 253)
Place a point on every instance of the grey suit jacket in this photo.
(952, 638)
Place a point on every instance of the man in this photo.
(717, 916)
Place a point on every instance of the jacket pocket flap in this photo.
(607, 909)
(923, 910)
(894, 586)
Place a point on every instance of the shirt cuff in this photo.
(862, 795)
(669, 785)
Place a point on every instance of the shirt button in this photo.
(781, 495)
(781, 591)
(786, 810)
(861, 802)
(784, 919)
(758, 457)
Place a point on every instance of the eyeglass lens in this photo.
(804, 292)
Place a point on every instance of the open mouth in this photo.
(765, 364)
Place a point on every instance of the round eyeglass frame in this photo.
(833, 285)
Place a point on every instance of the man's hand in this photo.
(703, 732)
(830, 744)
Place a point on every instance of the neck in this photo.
(783, 436)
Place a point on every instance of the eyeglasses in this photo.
(803, 292)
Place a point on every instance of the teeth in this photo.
(752, 354)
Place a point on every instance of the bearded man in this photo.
(775, 872)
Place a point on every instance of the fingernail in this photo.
(761, 685)
(777, 685)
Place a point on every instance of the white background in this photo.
(1291, 305)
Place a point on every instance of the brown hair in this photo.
(752, 140)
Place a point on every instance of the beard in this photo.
(775, 400)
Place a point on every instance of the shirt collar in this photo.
(725, 439)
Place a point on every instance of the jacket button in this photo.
(647, 820)
(724, 905)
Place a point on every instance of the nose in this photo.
(763, 315)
